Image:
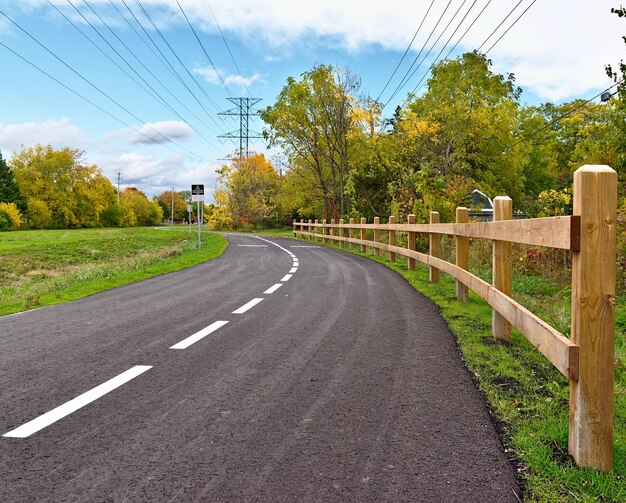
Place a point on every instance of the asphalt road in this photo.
(343, 384)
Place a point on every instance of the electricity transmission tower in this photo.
(243, 109)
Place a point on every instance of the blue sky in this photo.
(557, 51)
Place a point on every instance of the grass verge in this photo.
(528, 398)
(41, 268)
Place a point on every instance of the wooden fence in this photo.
(590, 234)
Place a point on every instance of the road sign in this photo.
(197, 192)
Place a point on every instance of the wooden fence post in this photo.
(462, 253)
(301, 227)
(324, 231)
(351, 233)
(593, 317)
(363, 235)
(310, 229)
(315, 229)
(376, 236)
(341, 232)
(411, 242)
(392, 239)
(502, 268)
(293, 224)
(331, 231)
(433, 248)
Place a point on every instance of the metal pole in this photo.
(199, 242)
(172, 205)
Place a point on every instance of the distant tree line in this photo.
(50, 188)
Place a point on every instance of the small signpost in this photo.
(189, 212)
(197, 195)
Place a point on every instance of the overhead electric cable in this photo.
(87, 81)
(121, 121)
(432, 65)
(513, 24)
(156, 28)
(500, 24)
(219, 75)
(170, 69)
(158, 97)
(406, 50)
(406, 76)
(228, 48)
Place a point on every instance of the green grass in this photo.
(527, 396)
(40, 268)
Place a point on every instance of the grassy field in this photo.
(527, 396)
(39, 268)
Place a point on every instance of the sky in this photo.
(138, 84)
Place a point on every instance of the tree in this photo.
(138, 210)
(10, 217)
(476, 113)
(250, 188)
(74, 193)
(9, 189)
(164, 200)
(311, 120)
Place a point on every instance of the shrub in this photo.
(13, 213)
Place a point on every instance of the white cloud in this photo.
(212, 76)
(154, 175)
(161, 132)
(58, 133)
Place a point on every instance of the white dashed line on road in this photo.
(248, 305)
(272, 289)
(287, 277)
(185, 343)
(76, 403)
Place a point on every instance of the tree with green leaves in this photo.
(9, 189)
(311, 120)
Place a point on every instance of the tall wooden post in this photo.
(341, 232)
(502, 268)
(433, 248)
(310, 229)
(593, 317)
(315, 230)
(301, 227)
(363, 235)
(294, 225)
(324, 231)
(392, 239)
(376, 236)
(331, 230)
(462, 253)
(351, 233)
(411, 243)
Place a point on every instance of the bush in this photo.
(39, 214)
(14, 216)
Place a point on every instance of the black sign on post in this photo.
(197, 192)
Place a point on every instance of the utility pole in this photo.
(243, 109)
(172, 205)
(119, 179)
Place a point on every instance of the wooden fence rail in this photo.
(586, 358)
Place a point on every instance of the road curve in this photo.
(342, 384)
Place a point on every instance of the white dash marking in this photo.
(254, 246)
(272, 289)
(248, 305)
(296, 263)
(192, 339)
(296, 246)
(292, 270)
(286, 277)
(76, 403)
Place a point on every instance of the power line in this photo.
(501, 23)
(513, 24)
(406, 51)
(243, 110)
(121, 121)
(156, 95)
(406, 76)
(156, 28)
(228, 48)
(165, 64)
(432, 65)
